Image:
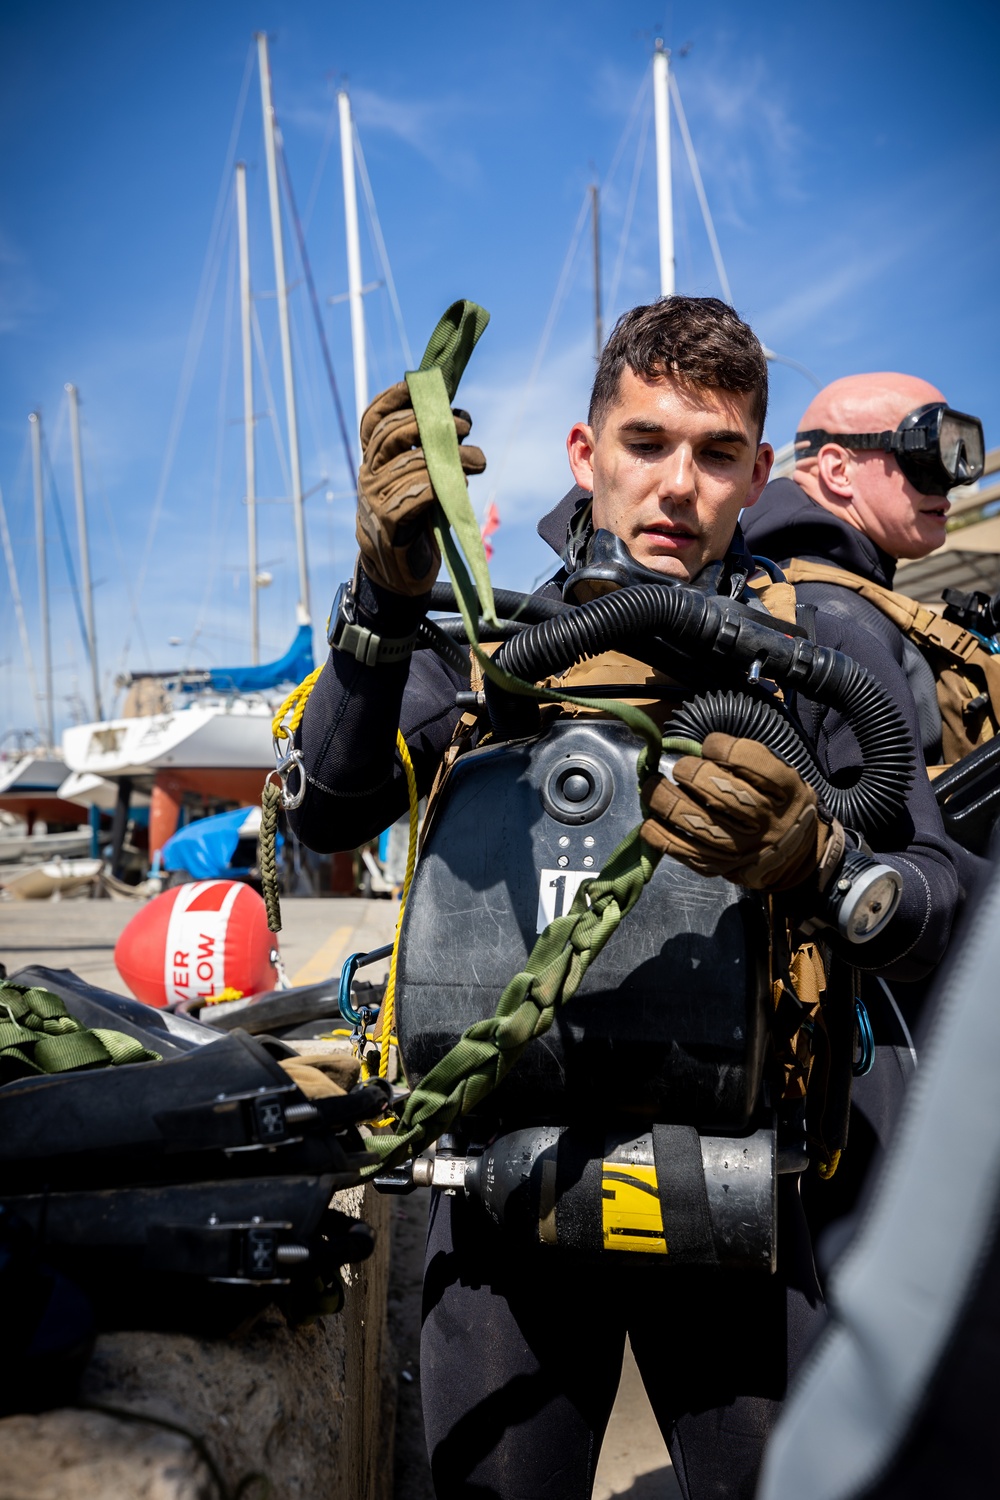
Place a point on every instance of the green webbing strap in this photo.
(551, 976)
(38, 1035)
(432, 388)
(562, 954)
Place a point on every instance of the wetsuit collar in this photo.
(786, 523)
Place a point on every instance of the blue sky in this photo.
(849, 155)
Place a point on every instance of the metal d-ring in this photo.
(290, 761)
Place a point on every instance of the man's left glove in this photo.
(395, 494)
(739, 812)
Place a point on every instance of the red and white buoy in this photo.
(196, 941)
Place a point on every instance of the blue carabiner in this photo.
(351, 966)
(864, 1063)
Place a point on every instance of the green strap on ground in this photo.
(38, 1035)
(562, 954)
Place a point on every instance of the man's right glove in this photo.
(741, 812)
(395, 496)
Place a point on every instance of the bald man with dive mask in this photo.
(876, 456)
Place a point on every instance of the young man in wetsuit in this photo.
(521, 1351)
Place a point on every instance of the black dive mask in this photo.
(935, 447)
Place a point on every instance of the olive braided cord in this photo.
(270, 804)
(552, 974)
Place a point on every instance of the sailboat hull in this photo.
(234, 736)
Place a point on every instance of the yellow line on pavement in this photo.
(326, 959)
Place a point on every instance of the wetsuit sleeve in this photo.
(355, 784)
(935, 871)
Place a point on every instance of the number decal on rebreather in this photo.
(556, 890)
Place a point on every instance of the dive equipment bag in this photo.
(188, 1191)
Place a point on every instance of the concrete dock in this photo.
(316, 937)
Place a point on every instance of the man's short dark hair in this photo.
(694, 338)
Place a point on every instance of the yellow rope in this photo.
(295, 704)
(389, 1003)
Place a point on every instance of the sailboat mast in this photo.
(84, 542)
(281, 288)
(15, 593)
(354, 291)
(35, 422)
(664, 192)
(248, 417)
(595, 219)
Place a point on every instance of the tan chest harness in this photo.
(966, 675)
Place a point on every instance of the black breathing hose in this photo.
(709, 625)
(510, 605)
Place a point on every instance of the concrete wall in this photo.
(311, 1408)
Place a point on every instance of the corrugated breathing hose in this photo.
(717, 627)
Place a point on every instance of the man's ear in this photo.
(761, 473)
(833, 467)
(580, 447)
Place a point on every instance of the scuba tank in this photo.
(651, 1090)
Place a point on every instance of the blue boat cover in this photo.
(205, 848)
(296, 663)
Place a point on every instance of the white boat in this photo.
(207, 735)
(17, 846)
(31, 773)
(88, 790)
(29, 787)
(54, 878)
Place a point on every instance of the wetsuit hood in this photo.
(786, 523)
(567, 520)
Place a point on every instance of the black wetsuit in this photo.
(521, 1352)
(786, 523)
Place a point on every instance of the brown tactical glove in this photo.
(395, 496)
(740, 812)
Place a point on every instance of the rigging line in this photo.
(317, 313)
(793, 364)
(22, 624)
(64, 539)
(311, 382)
(699, 188)
(629, 209)
(258, 339)
(331, 128)
(220, 433)
(209, 272)
(543, 343)
(628, 127)
(382, 252)
(94, 467)
(199, 325)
